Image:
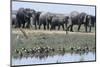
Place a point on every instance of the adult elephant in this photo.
(35, 19)
(80, 19)
(23, 17)
(59, 20)
(45, 19)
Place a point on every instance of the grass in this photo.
(54, 40)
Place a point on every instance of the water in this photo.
(54, 59)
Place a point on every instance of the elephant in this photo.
(59, 20)
(80, 19)
(35, 19)
(20, 16)
(23, 17)
(14, 20)
(45, 19)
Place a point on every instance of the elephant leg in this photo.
(40, 25)
(90, 29)
(58, 27)
(48, 26)
(35, 26)
(54, 27)
(66, 26)
(71, 29)
(19, 25)
(23, 25)
(79, 27)
(38, 22)
(44, 26)
(85, 28)
(51, 27)
(28, 25)
(63, 27)
(16, 25)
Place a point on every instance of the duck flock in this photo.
(45, 51)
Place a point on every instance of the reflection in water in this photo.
(43, 59)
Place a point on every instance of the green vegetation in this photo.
(67, 41)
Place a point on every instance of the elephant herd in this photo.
(27, 18)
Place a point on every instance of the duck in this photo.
(30, 50)
(87, 48)
(78, 49)
(71, 48)
(63, 49)
(23, 49)
(26, 51)
(52, 49)
(20, 54)
(17, 51)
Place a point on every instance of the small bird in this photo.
(78, 49)
(52, 49)
(20, 54)
(63, 49)
(23, 49)
(87, 48)
(30, 50)
(26, 51)
(72, 48)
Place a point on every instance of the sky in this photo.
(54, 8)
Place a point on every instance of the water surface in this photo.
(68, 57)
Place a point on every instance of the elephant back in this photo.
(59, 18)
(83, 17)
(45, 16)
(74, 14)
(20, 13)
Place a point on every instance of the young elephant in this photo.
(59, 20)
(45, 19)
